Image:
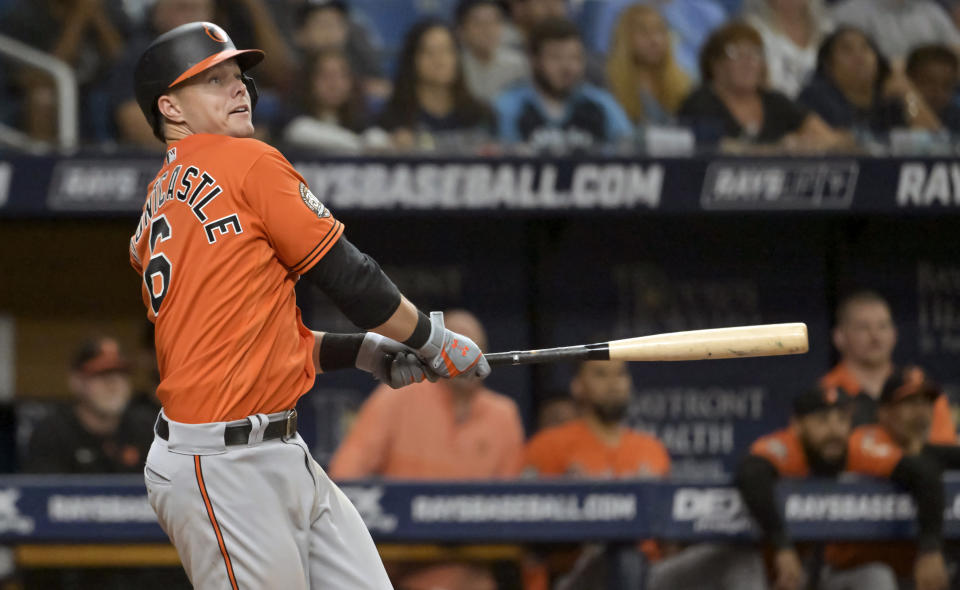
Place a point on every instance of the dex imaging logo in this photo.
(367, 502)
(711, 509)
(11, 521)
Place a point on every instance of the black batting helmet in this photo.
(181, 53)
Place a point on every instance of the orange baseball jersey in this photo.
(413, 433)
(573, 449)
(227, 228)
(870, 451)
(942, 429)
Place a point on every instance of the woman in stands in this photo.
(855, 89)
(792, 31)
(733, 109)
(430, 104)
(641, 70)
(333, 113)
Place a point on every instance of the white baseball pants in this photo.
(257, 516)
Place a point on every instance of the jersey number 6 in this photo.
(159, 267)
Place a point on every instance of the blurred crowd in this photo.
(487, 77)
(866, 415)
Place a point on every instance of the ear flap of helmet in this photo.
(251, 90)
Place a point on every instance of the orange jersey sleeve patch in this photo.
(300, 228)
(784, 450)
(871, 451)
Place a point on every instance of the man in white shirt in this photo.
(899, 25)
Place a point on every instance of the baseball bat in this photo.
(695, 345)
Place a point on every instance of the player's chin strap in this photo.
(258, 425)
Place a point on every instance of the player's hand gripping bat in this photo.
(718, 343)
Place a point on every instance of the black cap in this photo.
(97, 356)
(819, 398)
(907, 382)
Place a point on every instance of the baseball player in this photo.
(227, 229)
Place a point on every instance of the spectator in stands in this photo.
(899, 25)
(333, 115)
(450, 429)
(326, 24)
(818, 443)
(855, 89)
(526, 15)
(488, 66)
(558, 110)
(641, 70)
(100, 432)
(733, 108)
(691, 22)
(88, 36)
(430, 104)
(131, 126)
(865, 336)
(934, 71)
(791, 31)
(598, 445)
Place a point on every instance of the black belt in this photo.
(239, 434)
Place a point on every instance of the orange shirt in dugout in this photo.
(227, 228)
(870, 451)
(942, 429)
(573, 449)
(413, 433)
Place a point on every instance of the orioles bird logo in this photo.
(215, 33)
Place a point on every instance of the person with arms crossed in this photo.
(818, 443)
(227, 229)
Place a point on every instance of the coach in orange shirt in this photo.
(818, 443)
(451, 429)
(600, 445)
(865, 336)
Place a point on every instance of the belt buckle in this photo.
(290, 425)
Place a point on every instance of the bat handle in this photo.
(547, 355)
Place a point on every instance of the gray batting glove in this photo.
(449, 354)
(391, 362)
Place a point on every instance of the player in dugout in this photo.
(599, 445)
(819, 443)
(865, 336)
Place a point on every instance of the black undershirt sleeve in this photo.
(948, 456)
(756, 478)
(356, 285)
(920, 475)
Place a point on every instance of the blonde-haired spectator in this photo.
(792, 31)
(642, 72)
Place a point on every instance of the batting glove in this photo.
(449, 354)
(391, 362)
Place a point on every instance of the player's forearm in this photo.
(921, 476)
(756, 479)
(332, 352)
(403, 323)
